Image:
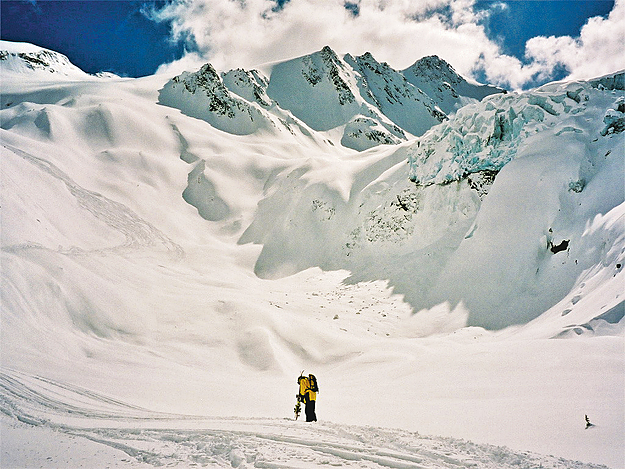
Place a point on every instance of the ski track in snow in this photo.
(145, 438)
(138, 232)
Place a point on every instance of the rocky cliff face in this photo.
(204, 95)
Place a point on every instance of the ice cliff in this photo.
(486, 136)
(501, 199)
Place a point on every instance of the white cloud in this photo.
(598, 50)
(247, 33)
(237, 33)
(190, 61)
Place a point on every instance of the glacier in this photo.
(175, 250)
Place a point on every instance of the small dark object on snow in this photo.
(298, 406)
(588, 424)
(563, 246)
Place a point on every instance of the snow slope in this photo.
(179, 266)
(555, 141)
(495, 191)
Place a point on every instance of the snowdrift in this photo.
(160, 252)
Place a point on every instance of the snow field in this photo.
(153, 258)
(132, 437)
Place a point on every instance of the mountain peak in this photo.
(368, 60)
(25, 58)
(438, 79)
(367, 56)
(204, 95)
(327, 50)
(435, 68)
(328, 56)
(369, 101)
(434, 62)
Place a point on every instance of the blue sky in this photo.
(133, 38)
(96, 35)
(522, 20)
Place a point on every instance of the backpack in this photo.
(313, 383)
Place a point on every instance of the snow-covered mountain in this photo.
(447, 234)
(364, 102)
(441, 82)
(189, 244)
(28, 60)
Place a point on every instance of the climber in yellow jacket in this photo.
(308, 390)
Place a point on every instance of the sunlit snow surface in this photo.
(127, 436)
(180, 269)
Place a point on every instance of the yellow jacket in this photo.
(305, 389)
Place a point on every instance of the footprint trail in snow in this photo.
(143, 438)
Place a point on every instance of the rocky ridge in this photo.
(368, 101)
(443, 84)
